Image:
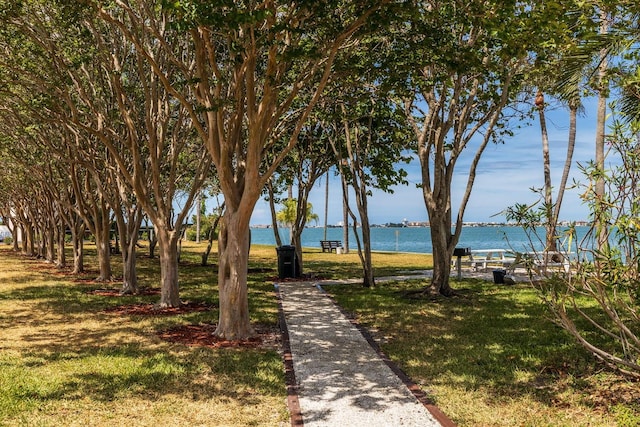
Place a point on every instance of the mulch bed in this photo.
(91, 280)
(267, 337)
(149, 309)
(112, 292)
(202, 336)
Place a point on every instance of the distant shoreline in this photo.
(427, 225)
(411, 239)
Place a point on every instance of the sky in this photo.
(505, 176)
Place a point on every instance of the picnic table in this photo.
(481, 259)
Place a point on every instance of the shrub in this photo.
(597, 299)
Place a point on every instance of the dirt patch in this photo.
(149, 309)
(202, 336)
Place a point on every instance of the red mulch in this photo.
(202, 336)
(149, 309)
(111, 292)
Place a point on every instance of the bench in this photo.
(330, 245)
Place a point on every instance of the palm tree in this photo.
(617, 33)
(296, 215)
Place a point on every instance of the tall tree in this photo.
(454, 87)
(248, 64)
(305, 164)
(368, 144)
(609, 33)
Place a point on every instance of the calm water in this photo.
(409, 239)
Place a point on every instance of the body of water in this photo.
(408, 239)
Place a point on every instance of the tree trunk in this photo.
(207, 251)
(40, 239)
(601, 117)
(15, 233)
(153, 241)
(551, 221)
(168, 248)
(129, 271)
(128, 229)
(198, 214)
(297, 243)
(212, 234)
(77, 236)
(441, 242)
(103, 247)
(233, 249)
(345, 215)
(274, 221)
(30, 243)
(326, 206)
(298, 225)
(25, 239)
(368, 279)
(573, 113)
(61, 261)
(367, 263)
(50, 253)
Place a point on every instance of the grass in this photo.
(63, 361)
(492, 357)
(489, 357)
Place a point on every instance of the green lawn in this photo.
(64, 361)
(491, 356)
(488, 357)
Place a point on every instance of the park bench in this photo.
(330, 245)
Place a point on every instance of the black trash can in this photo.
(288, 265)
(498, 276)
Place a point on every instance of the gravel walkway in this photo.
(340, 380)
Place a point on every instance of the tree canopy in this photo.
(125, 106)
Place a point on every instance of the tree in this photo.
(551, 208)
(454, 87)
(213, 233)
(305, 164)
(290, 216)
(105, 93)
(367, 141)
(610, 31)
(248, 64)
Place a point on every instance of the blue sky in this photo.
(504, 177)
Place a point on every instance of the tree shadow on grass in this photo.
(106, 375)
(118, 360)
(489, 337)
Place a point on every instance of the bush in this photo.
(597, 299)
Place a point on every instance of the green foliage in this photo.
(288, 214)
(206, 223)
(604, 264)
